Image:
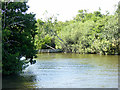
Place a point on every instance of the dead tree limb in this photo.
(49, 46)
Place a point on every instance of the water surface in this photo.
(58, 70)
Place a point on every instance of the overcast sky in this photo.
(67, 9)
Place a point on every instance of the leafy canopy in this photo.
(19, 32)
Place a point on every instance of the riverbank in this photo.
(62, 51)
(49, 51)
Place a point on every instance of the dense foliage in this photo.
(18, 36)
(46, 34)
(87, 33)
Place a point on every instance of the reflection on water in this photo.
(68, 71)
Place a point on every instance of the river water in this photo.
(60, 70)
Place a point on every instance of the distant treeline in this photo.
(87, 33)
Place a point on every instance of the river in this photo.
(60, 70)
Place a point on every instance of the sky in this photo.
(67, 9)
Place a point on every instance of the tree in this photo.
(91, 33)
(46, 33)
(19, 32)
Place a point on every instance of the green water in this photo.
(60, 70)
